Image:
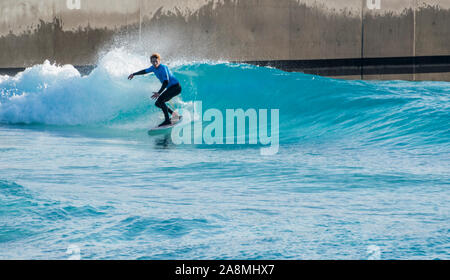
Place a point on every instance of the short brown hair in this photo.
(156, 55)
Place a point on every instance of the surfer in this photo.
(169, 89)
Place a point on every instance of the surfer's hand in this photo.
(131, 77)
(155, 95)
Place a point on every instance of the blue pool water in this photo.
(362, 171)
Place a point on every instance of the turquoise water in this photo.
(362, 170)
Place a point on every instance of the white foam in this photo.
(53, 94)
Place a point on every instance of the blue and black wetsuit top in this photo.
(163, 74)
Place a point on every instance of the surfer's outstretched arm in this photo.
(142, 72)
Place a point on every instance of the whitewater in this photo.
(362, 171)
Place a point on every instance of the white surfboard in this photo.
(165, 128)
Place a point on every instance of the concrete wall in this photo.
(76, 31)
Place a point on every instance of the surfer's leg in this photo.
(161, 104)
(165, 97)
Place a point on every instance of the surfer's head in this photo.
(155, 59)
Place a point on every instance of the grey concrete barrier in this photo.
(340, 38)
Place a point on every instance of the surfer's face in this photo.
(155, 62)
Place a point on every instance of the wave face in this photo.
(311, 107)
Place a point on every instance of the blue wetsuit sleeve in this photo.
(149, 70)
(166, 78)
(166, 74)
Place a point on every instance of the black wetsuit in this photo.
(165, 97)
(168, 80)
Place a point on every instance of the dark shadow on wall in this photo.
(49, 41)
(255, 30)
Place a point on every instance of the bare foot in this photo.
(175, 116)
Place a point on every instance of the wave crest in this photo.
(310, 106)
